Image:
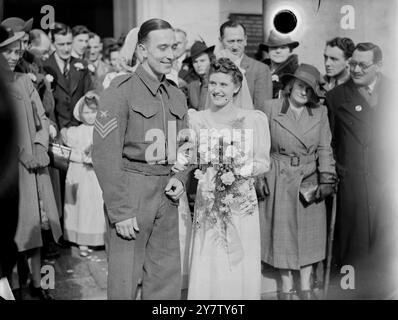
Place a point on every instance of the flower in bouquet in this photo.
(227, 178)
(198, 174)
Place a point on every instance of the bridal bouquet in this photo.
(231, 183)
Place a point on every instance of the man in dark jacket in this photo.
(360, 113)
(71, 76)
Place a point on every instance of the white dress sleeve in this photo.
(262, 143)
(257, 153)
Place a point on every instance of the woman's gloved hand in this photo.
(327, 185)
(28, 160)
(261, 186)
(41, 156)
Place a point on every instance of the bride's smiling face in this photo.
(222, 88)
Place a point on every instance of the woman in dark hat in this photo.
(302, 175)
(37, 205)
(200, 58)
(281, 58)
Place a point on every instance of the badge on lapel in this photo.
(358, 108)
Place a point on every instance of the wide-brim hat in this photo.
(306, 73)
(79, 104)
(17, 24)
(12, 37)
(277, 40)
(197, 49)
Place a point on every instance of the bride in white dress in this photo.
(225, 244)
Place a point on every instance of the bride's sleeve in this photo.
(261, 144)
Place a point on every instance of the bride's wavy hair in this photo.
(226, 66)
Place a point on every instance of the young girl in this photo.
(84, 220)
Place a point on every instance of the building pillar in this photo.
(124, 17)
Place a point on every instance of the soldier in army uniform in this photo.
(140, 192)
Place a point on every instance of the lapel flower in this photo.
(185, 67)
(79, 66)
(49, 78)
(275, 78)
(91, 68)
(32, 77)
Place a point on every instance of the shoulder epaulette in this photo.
(119, 80)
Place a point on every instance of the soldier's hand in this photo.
(174, 189)
(126, 229)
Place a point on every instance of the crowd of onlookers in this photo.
(54, 80)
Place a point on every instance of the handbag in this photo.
(308, 187)
(59, 156)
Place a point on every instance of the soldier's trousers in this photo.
(154, 256)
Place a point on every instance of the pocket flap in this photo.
(147, 111)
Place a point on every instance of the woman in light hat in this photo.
(293, 225)
(84, 218)
(281, 58)
(37, 207)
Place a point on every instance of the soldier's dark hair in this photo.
(79, 29)
(368, 46)
(344, 44)
(226, 66)
(152, 25)
(231, 24)
(60, 29)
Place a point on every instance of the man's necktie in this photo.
(66, 70)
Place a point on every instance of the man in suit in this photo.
(71, 77)
(234, 40)
(337, 54)
(80, 41)
(360, 112)
(98, 68)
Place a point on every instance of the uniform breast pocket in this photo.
(143, 118)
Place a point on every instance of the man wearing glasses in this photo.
(359, 110)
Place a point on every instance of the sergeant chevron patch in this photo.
(105, 128)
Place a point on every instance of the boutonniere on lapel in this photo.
(275, 78)
(358, 108)
(91, 68)
(185, 67)
(32, 77)
(79, 66)
(49, 78)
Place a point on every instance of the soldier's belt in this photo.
(294, 160)
(146, 168)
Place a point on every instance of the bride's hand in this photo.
(178, 167)
(181, 163)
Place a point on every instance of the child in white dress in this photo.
(84, 219)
